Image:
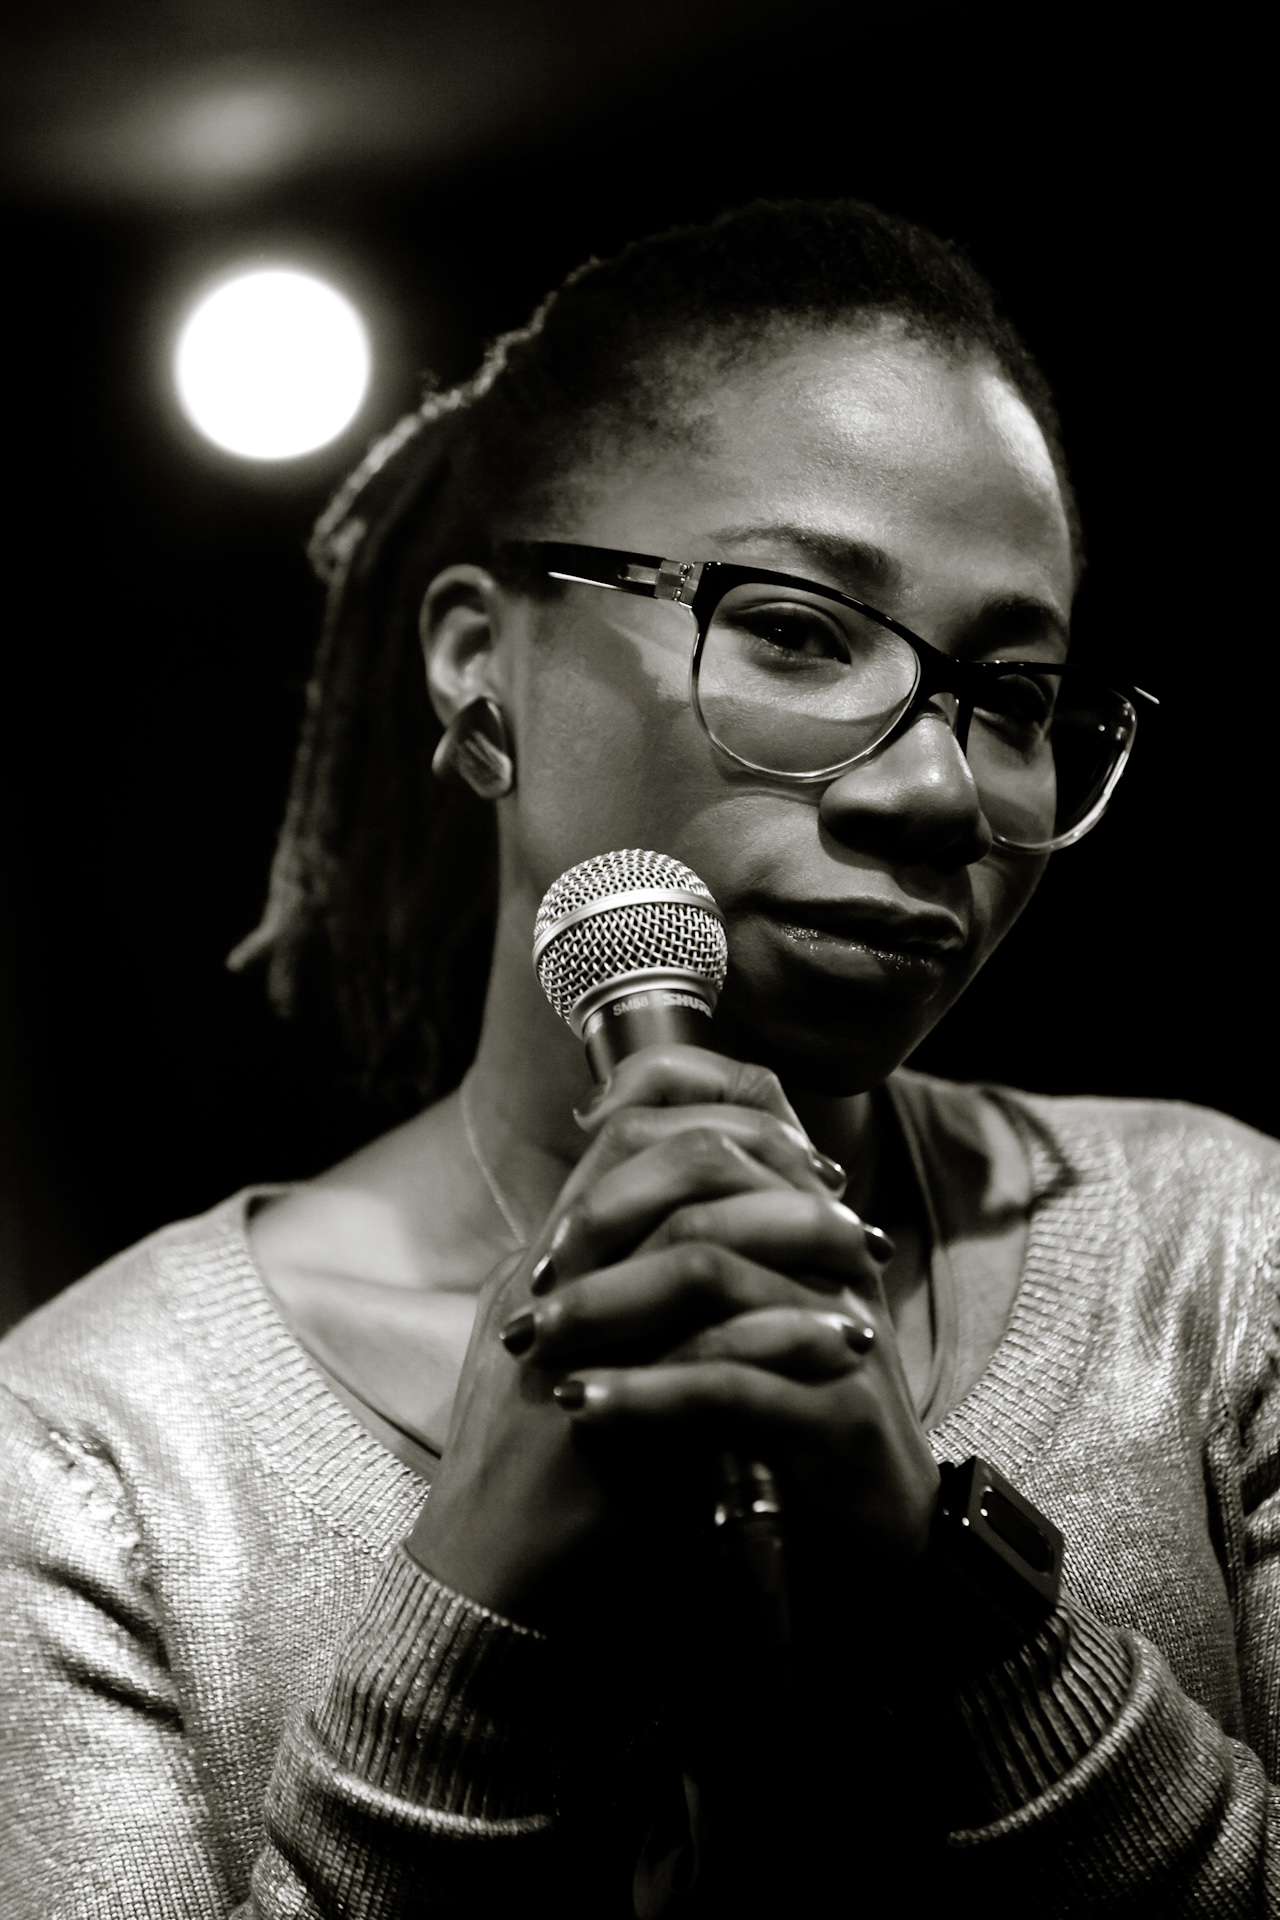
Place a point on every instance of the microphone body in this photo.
(630, 950)
(645, 1017)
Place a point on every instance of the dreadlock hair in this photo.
(382, 901)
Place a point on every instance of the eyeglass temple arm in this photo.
(641, 573)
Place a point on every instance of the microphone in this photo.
(630, 950)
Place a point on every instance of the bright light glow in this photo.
(272, 364)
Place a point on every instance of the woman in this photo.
(252, 1669)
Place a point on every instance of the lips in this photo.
(922, 934)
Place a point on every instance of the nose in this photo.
(914, 801)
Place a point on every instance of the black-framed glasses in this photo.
(799, 682)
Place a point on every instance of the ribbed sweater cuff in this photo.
(1035, 1716)
(440, 1702)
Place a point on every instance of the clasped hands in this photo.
(698, 1286)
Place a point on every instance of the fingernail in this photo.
(860, 1338)
(543, 1277)
(830, 1172)
(571, 1394)
(520, 1331)
(879, 1245)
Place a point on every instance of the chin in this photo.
(825, 1041)
(833, 1061)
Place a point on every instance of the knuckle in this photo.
(689, 1223)
(706, 1146)
(623, 1132)
(756, 1086)
(703, 1267)
(662, 1058)
(585, 1220)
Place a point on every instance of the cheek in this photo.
(608, 755)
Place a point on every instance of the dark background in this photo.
(446, 166)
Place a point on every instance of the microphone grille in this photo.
(616, 937)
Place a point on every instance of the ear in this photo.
(459, 623)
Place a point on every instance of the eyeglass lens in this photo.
(794, 684)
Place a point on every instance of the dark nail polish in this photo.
(543, 1277)
(571, 1394)
(520, 1331)
(860, 1338)
(829, 1171)
(879, 1245)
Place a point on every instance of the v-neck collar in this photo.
(339, 1470)
(1074, 1245)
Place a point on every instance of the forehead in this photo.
(858, 437)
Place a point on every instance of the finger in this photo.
(775, 1143)
(611, 1215)
(639, 1310)
(685, 1076)
(712, 1397)
(799, 1344)
(784, 1229)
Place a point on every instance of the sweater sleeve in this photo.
(420, 1782)
(101, 1806)
(1111, 1792)
(424, 1781)
(1108, 1788)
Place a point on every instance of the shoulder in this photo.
(1167, 1152)
(1169, 1212)
(113, 1336)
(178, 1480)
(151, 1367)
(103, 1399)
(1194, 1195)
(1157, 1146)
(171, 1372)
(119, 1377)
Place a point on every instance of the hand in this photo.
(711, 1328)
(707, 1289)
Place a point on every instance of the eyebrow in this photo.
(842, 557)
(1008, 616)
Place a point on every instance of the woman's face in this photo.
(858, 911)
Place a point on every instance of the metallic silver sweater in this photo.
(226, 1689)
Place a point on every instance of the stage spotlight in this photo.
(272, 363)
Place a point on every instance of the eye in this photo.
(1019, 702)
(795, 630)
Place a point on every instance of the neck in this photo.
(418, 1206)
(843, 1126)
(530, 1072)
(528, 1075)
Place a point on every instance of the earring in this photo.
(477, 746)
